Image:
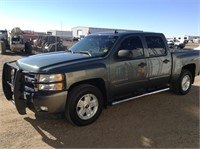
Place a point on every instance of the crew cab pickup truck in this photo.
(100, 70)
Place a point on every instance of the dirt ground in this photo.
(162, 120)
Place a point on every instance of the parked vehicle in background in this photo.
(81, 37)
(170, 43)
(48, 43)
(14, 41)
(196, 40)
(99, 70)
(4, 44)
(185, 38)
(174, 43)
(178, 44)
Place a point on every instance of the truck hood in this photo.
(39, 62)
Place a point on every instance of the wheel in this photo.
(2, 47)
(28, 48)
(84, 105)
(175, 46)
(183, 84)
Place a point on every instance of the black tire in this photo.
(28, 48)
(77, 105)
(2, 47)
(183, 84)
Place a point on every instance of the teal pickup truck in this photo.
(100, 70)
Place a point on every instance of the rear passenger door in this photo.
(159, 60)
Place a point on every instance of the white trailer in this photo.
(185, 38)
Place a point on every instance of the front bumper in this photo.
(17, 47)
(19, 91)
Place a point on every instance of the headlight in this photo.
(51, 82)
(50, 78)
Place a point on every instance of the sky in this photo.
(171, 17)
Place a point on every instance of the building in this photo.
(67, 35)
(79, 31)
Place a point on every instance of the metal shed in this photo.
(62, 34)
(79, 31)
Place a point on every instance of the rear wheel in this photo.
(84, 105)
(183, 84)
(2, 47)
(28, 48)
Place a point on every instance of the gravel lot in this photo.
(163, 120)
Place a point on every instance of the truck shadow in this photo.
(160, 120)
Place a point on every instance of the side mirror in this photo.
(125, 54)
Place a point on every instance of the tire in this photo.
(183, 84)
(175, 46)
(28, 48)
(2, 48)
(84, 105)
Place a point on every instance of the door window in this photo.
(134, 44)
(156, 46)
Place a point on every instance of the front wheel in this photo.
(2, 47)
(183, 84)
(28, 48)
(84, 105)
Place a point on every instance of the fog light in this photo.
(43, 108)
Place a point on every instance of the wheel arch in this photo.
(98, 83)
(191, 68)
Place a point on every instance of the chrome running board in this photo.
(128, 99)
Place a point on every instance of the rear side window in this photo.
(134, 44)
(156, 46)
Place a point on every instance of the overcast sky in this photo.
(171, 17)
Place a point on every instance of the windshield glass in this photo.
(17, 39)
(95, 45)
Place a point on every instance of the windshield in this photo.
(17, 40)
(94, 45)
(3, 34)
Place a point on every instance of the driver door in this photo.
(129, 74)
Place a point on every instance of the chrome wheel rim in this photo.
(87, 106)
(185, 83)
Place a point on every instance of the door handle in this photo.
(142, 64)
(166, 61)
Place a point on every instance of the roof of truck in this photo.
(122, 33)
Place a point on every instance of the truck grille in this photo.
(16, 79)
(29, 83)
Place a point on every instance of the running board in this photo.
(151, 93)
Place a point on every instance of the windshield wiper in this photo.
(70, 51)
(83, 52)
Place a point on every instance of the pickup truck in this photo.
(100, 70)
